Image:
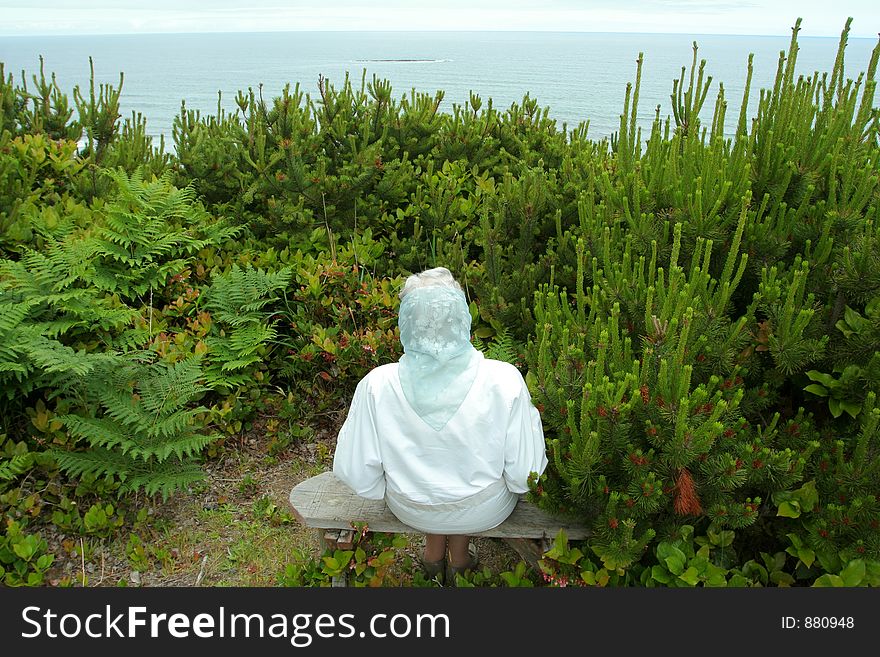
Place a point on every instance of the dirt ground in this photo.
(233, 529)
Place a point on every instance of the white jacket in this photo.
(463, 478)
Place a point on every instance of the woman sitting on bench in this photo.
(446, 436)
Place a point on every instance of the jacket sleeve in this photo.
(524, 449)
(358, 460)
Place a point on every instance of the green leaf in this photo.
(722, 538)
(609, 562)
(660, 574)
(781, 496)
(675, 564)
(807, 556)
(574, 555)
(666, 550)
(560, 546)
(835, 407)
(781, 578)
(829, 560)
(26, 548)
(854, 573)
(691, 576)
(828, 580)
(509, 578)
(716, 576)
(817, 389)
(385, 557)
(852, 408)
(844, 328)
(755, 571)
(700, 564)
(474, 310)
(825, 379)
(855, 321)
(808, 496)
(790, 509)
(737, 581)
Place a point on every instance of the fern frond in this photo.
(12, 467)
(131, 340)
(57, 328)
(123, 406)
(501, 347)
(98, 461)
(8, 365)
(240, 299)
(170, 387)
(147, 419)
(53, 357)
(166, 482)
(216, 378)
(12, 314)
(246, 340)
(239, 295)
(99, 432)
(173, 424)
(149, 232)
(180, 446)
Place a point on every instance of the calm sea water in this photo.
(579, 76)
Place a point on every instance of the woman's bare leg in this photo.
(435, 547)
(458, 550)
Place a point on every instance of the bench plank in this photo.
(324, 502)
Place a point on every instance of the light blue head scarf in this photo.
(439, 363)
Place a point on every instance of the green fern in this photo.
(16, 461)
(501, 347)
(147, 432)
(61, 316)
(46, 307)
(11, 467)
(149, 233)
(241, 299)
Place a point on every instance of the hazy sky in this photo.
(820, 17)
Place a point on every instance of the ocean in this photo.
(578, 76)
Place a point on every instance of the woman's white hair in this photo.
(438, 276)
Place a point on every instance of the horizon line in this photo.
(424, 31)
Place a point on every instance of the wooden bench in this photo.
(328, 505)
